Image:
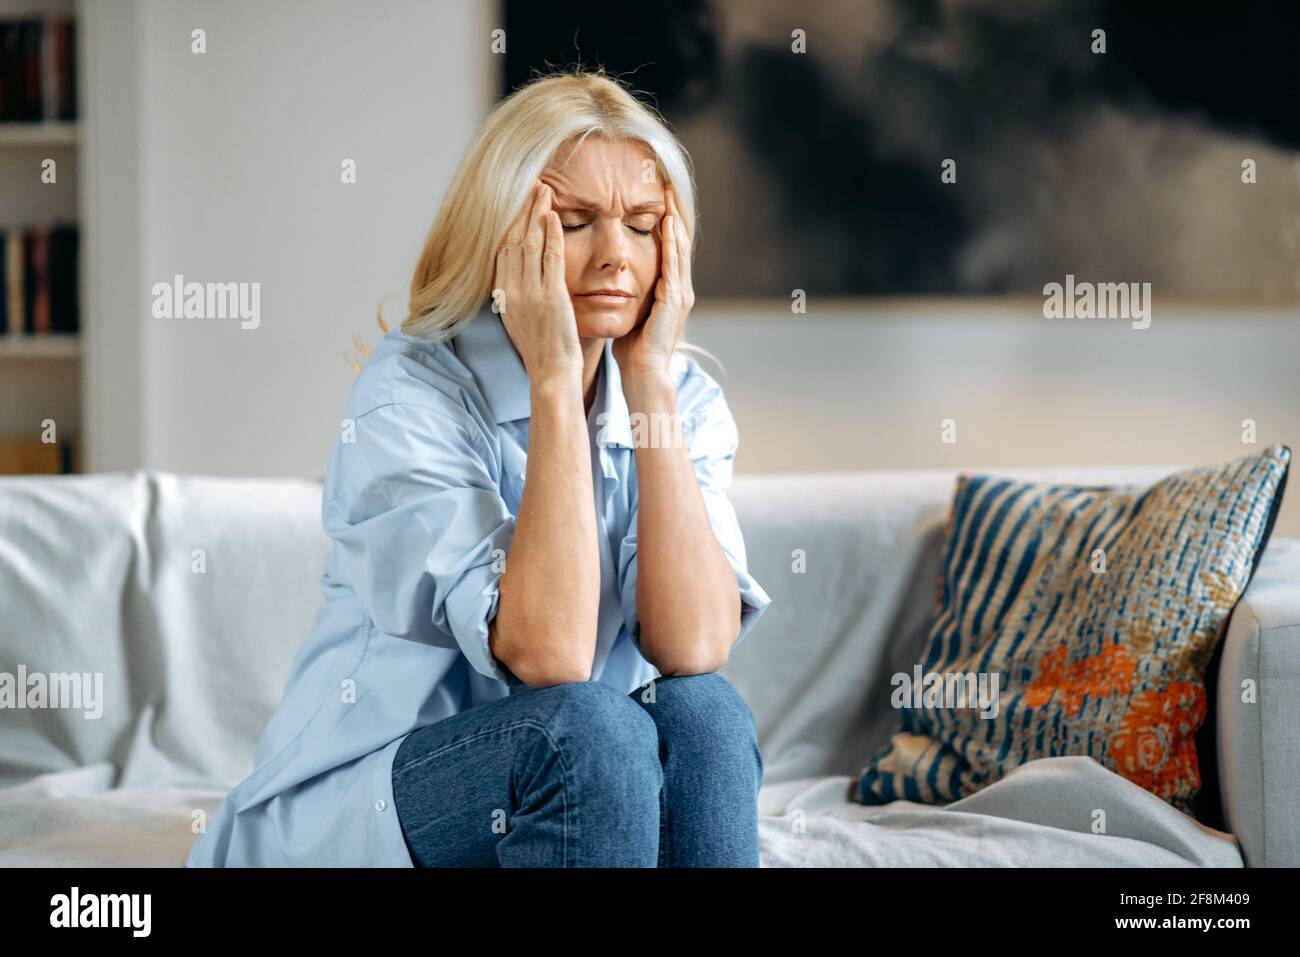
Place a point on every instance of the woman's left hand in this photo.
(647, 349)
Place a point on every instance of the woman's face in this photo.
(610, 216)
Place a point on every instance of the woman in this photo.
(503, 674)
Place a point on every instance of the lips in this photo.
(606, 297)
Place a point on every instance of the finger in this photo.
(511, 260)
(535, 237)
(514, 244)
(683, 254)
(683, 241)
(673, 210)
(669, 252)
(532, 205)
(553, 255)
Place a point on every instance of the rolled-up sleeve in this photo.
(421, 527)
(713, 438)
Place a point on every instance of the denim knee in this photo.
(591, 717)
(706, 704)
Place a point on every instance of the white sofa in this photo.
(190, 595)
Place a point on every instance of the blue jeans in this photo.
(581, 775)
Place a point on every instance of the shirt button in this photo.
(380, 804)
(523, 475)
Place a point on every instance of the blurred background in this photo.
(819, 171)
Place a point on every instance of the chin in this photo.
(604, 323)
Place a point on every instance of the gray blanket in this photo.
(1054, 812)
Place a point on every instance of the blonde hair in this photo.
(517, 143)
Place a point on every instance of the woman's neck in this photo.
(592, 350)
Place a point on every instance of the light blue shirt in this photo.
(420, 500)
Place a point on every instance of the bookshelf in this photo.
(56, 345)
(40, 341)
(49, 133)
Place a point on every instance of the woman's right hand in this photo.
(535, 308)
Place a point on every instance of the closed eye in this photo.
(578, 226)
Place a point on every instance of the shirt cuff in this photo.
(470, 606)
(753, 599)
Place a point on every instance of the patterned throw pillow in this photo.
(1075, 620)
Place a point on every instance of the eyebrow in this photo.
(586, 206)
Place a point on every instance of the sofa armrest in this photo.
(1258, 744)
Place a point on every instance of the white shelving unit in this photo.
(53, 346)
(40, 375)
(38, 134)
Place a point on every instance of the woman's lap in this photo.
(580, 774)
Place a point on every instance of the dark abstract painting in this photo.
(887, 147)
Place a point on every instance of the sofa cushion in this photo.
(1076, 620)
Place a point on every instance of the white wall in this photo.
(225, 167)
(851, 386)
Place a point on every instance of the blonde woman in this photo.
(535, 571)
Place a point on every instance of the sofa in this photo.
(188, 596)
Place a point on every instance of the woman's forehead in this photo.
(602, 161)
(598, 183)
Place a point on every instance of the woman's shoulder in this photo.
(413, 413)
(699, 393)
(415, 372)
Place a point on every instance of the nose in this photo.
(611, 246)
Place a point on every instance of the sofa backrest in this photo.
(191, 595)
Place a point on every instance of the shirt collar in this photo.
(485, 349)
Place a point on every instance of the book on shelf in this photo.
(38, 280)
(28, 455)
(38, 81)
